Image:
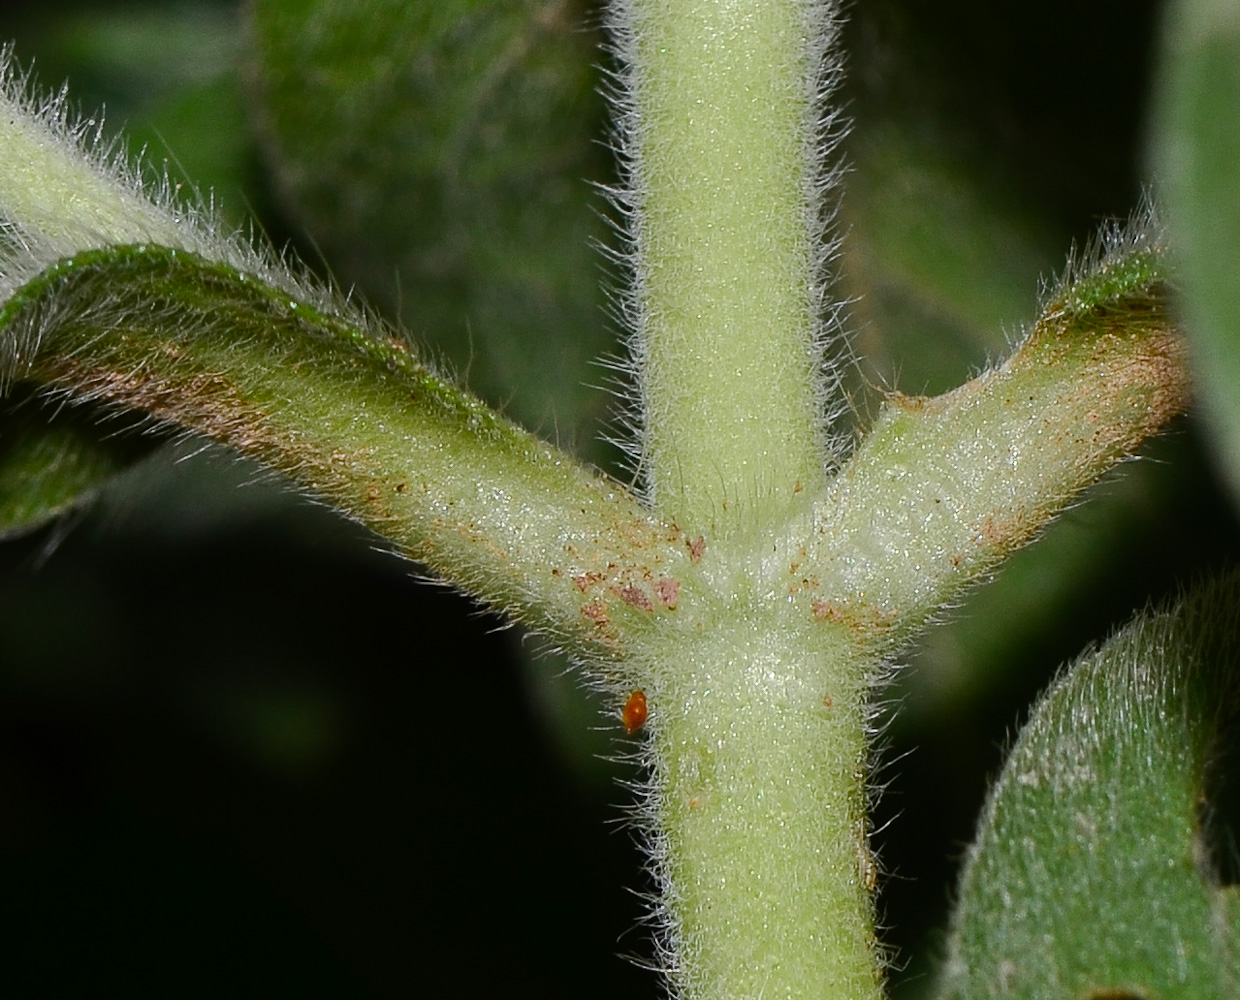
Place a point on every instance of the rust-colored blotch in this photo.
(633, 715)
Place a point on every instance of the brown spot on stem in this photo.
(862, 619)
(696, 548)
(869, 871)
(910, 404)
(596, 611)
(825, 611)
(634, 597)
(668, 590)
(805, 583)
(1007, 534)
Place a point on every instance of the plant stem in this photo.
(757, 709)
(942, 490)
(724, 161)
(72, 201)
(759, 739)
(754, 604)
(357, 421)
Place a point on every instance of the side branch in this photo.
(943, 489)
(355, 420)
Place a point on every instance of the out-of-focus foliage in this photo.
(1103, 866)
(440, 155)
(51, 464)
(173, 69)
(1197, 147)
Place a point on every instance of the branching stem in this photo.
(356, 421)
(756, 602)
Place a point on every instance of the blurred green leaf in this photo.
(198, 135)
(438, 155)
(51, 461)
(944, 264)
(162, 76)
(1096, 872)
(1197, 146)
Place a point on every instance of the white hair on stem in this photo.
(822, 172)
(65, 189)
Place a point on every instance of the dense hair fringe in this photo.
(158, 210)
(826, 127)
(1115, 244)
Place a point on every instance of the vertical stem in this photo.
(760, 799)
(757, 710)
(726, 226)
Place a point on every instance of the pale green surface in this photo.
(942, 489)
(355, 420)
(62, 192)
(46, 186)
(764, 844)
(725, 255)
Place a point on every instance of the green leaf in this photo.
(51, 461)
(1197, 148)
(440, 155)
(1093, 874)
(943, 266)
(170, 76)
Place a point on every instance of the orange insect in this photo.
(633, 715)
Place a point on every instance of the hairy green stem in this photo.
(47, 186)
(757, 709)
(724, 98)
(942, 490)
(357, 421)
(759, 787)
(755, 604)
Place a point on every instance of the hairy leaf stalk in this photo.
(355, 420)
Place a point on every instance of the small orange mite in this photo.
(633, 715)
